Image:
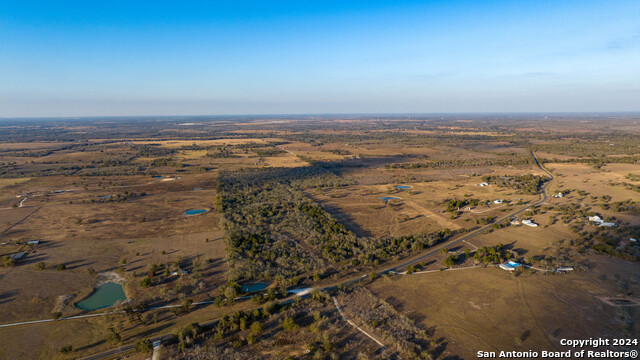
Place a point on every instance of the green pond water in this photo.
(254, 287)
(195, 211)
(104, 296)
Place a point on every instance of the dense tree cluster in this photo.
(274, 229)
(456, 163)
(491, 254)
(120, 197)
(454, 204)
(152, 150)
(268, 152)
(526, 184)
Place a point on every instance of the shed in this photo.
(18, 256)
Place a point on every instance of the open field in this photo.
(295, 202)
(490, 310)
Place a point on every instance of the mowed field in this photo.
(489, 309)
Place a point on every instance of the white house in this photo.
(497, 201)
(506, 267)
(596, 219)
(484, 184)
(633, 240)
(529, 223)
(607, 224)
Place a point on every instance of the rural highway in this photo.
(306, 292)
(468, 236)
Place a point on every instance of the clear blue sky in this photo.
(76, 58)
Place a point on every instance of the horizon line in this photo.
(467, 113)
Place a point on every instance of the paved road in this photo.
(544, 197)
(468, 236)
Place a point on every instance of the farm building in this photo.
(565, 268)
(33, 242)
(497, 201)
(596, 219)
(484, 184)
(529, 223)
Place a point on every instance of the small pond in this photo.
(259, 286)
(403, 187)
(387, 198)
(158, 177)
(195, 211)
(104, 296)
(104, 197)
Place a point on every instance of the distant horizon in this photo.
(75, 59)
(497, 113)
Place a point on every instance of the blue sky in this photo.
(83, 58)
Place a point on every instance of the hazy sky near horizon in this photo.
(84, 58)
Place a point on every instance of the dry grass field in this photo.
(419, 208)
(489, 309)
(80, 233)
(109, 197)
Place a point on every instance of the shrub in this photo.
(256, 327)
(289, 324)
(144, 346)
(146, 282)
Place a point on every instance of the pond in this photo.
(104, 296)
(246, 288)
(402, 187)
(387, 198)
(104, 197)
(195, 211)
(158, 177)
